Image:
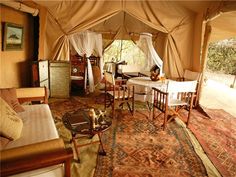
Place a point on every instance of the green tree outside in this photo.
(124, 50)
(222, 57)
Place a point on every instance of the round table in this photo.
(143, 87)
(80, 122)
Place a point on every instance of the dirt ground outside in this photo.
(217, 94)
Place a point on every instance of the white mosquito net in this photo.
(145, 44)
(86, 43)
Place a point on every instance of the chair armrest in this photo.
(32, 94)
(28, 163)
(126, 76)
(120, 81)
(34, 156)
(140, 74)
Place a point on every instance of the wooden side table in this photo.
(81, 122)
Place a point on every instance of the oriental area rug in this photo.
(138, 147)
(217, 136)
(135, 146)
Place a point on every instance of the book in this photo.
(79, 118)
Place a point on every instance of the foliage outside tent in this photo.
(222, 57)
(124, 50)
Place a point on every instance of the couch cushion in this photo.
(11, 124)
(38, 126)
(9, 95)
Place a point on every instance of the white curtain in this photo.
(145, 44)
(85, 43)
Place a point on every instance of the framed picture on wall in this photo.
(13, 37)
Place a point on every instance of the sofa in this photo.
(35, 149)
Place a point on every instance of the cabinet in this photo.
(40, 75)
(59, 79)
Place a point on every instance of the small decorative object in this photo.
(13, 37)
(93, 117)
(154, 76)
(162, 78)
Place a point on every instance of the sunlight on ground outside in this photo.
(217, 95)
(219, 90)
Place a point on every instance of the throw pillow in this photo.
(3, 142)
(10, 124)
(9, 95)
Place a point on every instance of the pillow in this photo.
(3, 142)
(10, 124)
(9, 95)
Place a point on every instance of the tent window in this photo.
(124, 50)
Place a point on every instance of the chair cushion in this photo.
(9, 95)
(11, 124)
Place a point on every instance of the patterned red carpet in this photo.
(217, 135)
(139, 148)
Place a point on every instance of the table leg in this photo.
(76, 146)
(100, 140)
(149, 107)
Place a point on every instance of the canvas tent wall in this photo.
(178, 26)
(60, 23)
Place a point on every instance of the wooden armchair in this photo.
(192, 76)
(177, 96)
(118, 93)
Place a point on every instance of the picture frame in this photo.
(13, 36)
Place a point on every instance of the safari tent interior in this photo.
(62, 43)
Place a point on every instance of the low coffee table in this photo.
(87, 122)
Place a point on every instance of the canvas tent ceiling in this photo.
(224, 26)
(124, 23)
(178, 25)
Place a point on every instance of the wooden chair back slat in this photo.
(120, 93)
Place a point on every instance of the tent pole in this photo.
(121, 45)
(206, 41)
(232, 85)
